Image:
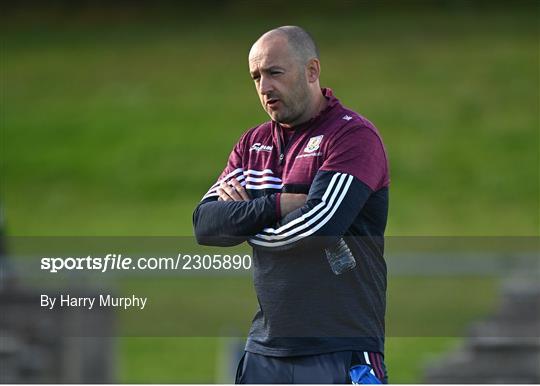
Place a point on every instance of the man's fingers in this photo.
(231, 192)
(222, 195)
(240, 189)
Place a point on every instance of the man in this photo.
(293, 187)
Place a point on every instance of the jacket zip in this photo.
(282, 148)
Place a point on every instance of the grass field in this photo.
(116, 125)
(121, 129)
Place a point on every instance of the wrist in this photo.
(278, 206)
(290, 202)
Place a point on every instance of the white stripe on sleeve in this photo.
(327, 209)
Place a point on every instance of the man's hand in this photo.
(232, 192)
(291, 201)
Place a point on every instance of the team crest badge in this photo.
(313, 144)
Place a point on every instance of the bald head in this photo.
(300, 43)
(284, 64)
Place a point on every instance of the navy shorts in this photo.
(330, 368)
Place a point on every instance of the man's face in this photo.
(280, 80)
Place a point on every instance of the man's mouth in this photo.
(272, 102)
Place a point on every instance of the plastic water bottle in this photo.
(340, 257)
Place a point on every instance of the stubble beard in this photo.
(292, 109)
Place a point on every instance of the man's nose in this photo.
(265, 85)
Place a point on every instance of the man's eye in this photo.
(275, 73)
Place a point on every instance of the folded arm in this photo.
(334, 201)
(231, 217)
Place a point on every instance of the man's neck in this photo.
(321, 104)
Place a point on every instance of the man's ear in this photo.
(313, 69)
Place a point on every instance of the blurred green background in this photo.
(116, 118)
